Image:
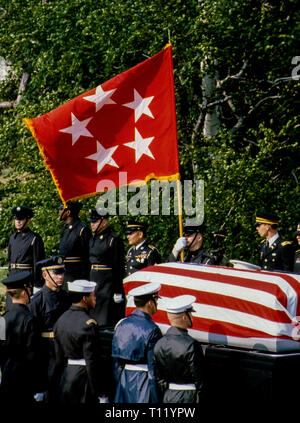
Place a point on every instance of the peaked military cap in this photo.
(18, 280)
(191, 229)
(55, 263)
(94, 215)
(180, 304)
(147, 290)
(135, 226)
(82, 286)
(21, 212)
(73, 206)
(298, 230)
(267, 218)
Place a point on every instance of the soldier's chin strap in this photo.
(101, 220)
(57, 286)
(189, 317)
(189, 247)
(63, 212)
(24, 224)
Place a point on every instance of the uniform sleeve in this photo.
(154, 258)
(171, 258)
(118, 264)
(60, 362)
(9, 253)
(161, 382)
(91, 350)
(155, 336)
(85, 236)
(38, 253)
(287, 257)
(195, 360)
(209, 259)
(33, 340)
(34, 307)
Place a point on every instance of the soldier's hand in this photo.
(39, 396)
(103, 399)
(118, 298)
(180, 244)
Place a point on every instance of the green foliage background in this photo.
(71, 46)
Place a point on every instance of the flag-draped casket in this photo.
(250, 309)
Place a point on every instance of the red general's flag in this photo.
(126, 124)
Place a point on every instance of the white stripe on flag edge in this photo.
(258, 344)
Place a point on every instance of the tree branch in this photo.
(22, 88)
(236, 76)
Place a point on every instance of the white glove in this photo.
(118, 298)
(180, 244)
(103, 400)
(39, 396)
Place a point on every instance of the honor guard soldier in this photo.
(192, 242)
(106, 252)
(275, 254)
(141, 254)
(25, 248)
(132, 349)
(297, 252)
(47, 305)
(179, 359)
(77, 348)
(74, 242)
(21, 348)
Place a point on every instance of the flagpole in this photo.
(179, 200)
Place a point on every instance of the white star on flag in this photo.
(141, 146)
(103, 156)
(100, 98)
(77, 129)
(140, 106)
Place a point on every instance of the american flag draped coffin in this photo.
(250, 309)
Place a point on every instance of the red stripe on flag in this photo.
(215, 327)
(271, 288)
(223, 301)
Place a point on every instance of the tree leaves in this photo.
(253, 163)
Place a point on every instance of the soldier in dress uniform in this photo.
(106, 251)
(21, 348)
(77, 348)
(132, 349)
(297, 252)
(47, 305)
(179, 359)
(25, 248)
(140, 254)
(192, 242)
(74, 243)
(275, 254)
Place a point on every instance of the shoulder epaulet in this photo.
(88, 322)
(129, 250)
(113, 236)
(263, 240)
(297, 251)
(285, 243)
(32, 242)
(152, 247)
(81, 230)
